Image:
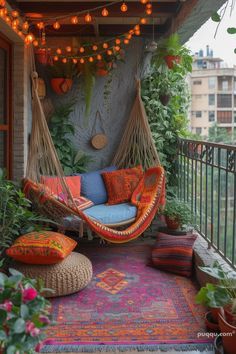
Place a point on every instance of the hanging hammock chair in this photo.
(136, 147)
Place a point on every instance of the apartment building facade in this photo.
(213, 91)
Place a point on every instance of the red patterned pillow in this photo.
(120, 184)
(174, 253)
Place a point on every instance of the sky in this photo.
(223, 44)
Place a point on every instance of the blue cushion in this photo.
(93, 187)
(112, 214)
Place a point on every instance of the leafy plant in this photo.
(178, 210)
(212, 296)
(66, 70)
(16, 218)
(24, 312)
(62, 130)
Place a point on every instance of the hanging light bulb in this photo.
(20, 33)
(105, 12)
(59, 51)
(64, 60)
(68, 49)
(35, 43)
(2, 3)
(7, 19)
(109, 52)
(2, 12)
(75, 61)
(56, 25)
(128, 36)
(124, 7)
(99, 57)
(117, 48)
(105, 45)
(137, 28)
(15, 14)
(29, 38)
(137, 32)
(15, 23)
(126, 41)
(118, 41)
(148, 11)
(55, 58)
(81, 61)
(95, 47)
(143, 20)
(143, 1)
(74, 20)
(88, 18)
(91, 59)
(81, 49)
(25, 26)
(40, 25)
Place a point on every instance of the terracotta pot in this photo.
(211, 325)
(42, 56)
(228, 335)
(229, 316)
(172, 224)
(164, 99)
(171, 60)
(61, 85)
(214, 313)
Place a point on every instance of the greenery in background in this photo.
(16, 218)
(179, 211)
(62, 130)
(63, 70)
(24, 313)
(218, 134)
(170, 122)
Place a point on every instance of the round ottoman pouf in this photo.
(67, 277)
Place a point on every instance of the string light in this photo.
(35, 42)
(81, 49)
(7, 19)
(2, 12)
(91, 59)
(143, 21)
(124, 7)
(88, 18)
(55, 58)
(40, 25)
(29, 38)
(59, 51)
(64, 60)
(95, 47)
(117, 48)
(15, 13)
(2, 3)
(149, 6)
(68, 49)
(148, 11)
(131, 31)
(74, 20)
(99, 57)
(143, 1)
(75, 61)
(128, 36)
(25, 26)
(105, 45)
(137, 28)
(105, 12)
(15, 23)
(126, 41)
(109, 52)
(81, 61)
(56, 25)
(137, 33)
(118, 41)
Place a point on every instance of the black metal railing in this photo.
(207, 181)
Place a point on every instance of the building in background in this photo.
(213, 91)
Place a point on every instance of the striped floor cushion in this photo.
(174, 253)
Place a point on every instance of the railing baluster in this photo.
(212, 195)
(206, 193)
(226, 203)
(218, 199)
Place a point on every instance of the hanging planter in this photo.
(61, 85)
(164, 98)
(172, 60)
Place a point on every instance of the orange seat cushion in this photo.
(41, 247)
(120, 184)
(55, 185)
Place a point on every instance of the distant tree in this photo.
(219, 135)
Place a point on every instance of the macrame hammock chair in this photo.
(136, 147)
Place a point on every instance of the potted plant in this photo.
(165, 88)
(171, 52)
(24, 312)
(62, 75)
(177, 214)
(228, 331)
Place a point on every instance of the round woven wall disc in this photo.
(99, 141)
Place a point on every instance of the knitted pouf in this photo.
(67, 277)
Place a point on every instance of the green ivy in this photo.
(62, 130)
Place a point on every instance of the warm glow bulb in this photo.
(68, 49)
(126, 41)
(105, 45)
(55, 58)
(91, 59)
(109, 52)
(99, 57)
(117, 48)
(143, 1)
(88, 18)
(117, 41)
(40, 25)
(128, 36)
(105, 12)
(7, 19)
(75, 61)
(64, 60)
(20, 33)
(81, 61)
(2, 12)
(15, 13)
(137, 33)
(56, 25)
(143, 21)
(74, 20)
(59, 51)
(2, 3)
(95, 47)
(25, 26)
(124, 7)
(136, 28)
(15, 23)
(149, 11)
(29, 38)
(81, 49)
(149, 6)
(35, 43)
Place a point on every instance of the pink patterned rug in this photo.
(128, 306)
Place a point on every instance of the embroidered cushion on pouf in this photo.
(174, 253)
(41, 247)
(120, 184)
(93, 187)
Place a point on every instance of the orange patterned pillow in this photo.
(44, 247)
(55, 186)
(120, 184)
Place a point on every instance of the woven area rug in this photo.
(127, 306)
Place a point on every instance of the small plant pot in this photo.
(172, 224)
(211, 325)
(214, 313)
(164, 99)
(228, 335)
(61, 85)
(171, 60)
(218, 345)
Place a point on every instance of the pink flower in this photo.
(29, 294)
(35, 332)
(44, 319)
(31, 329)
(8, 305)
(38, 347)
